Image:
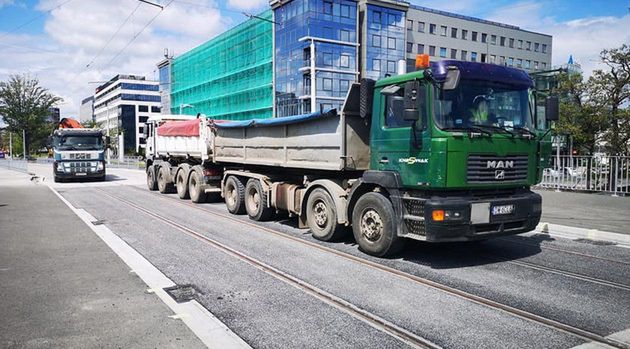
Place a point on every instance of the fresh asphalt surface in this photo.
(268, 313)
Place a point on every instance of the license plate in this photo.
(81, 174)
(502, 210)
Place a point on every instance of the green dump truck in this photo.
(446, 153)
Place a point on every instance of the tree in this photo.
(24, 106)
(90, 124)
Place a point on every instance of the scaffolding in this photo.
(229, 77)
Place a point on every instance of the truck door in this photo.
(395, 147)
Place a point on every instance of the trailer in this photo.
(413, 156)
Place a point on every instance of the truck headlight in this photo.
(59, 166)
(100, 166)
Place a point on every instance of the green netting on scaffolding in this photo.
(229, 77)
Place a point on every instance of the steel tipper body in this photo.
(447, 153)
(78, 153)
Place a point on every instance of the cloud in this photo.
(248, 4)
(4, 3)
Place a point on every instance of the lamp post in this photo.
(182, 106)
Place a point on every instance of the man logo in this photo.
(500, 164)
(499, 174)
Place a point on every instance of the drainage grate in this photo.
(181, 293)
(596, 242)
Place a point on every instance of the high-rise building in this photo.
(86, 111)
(303, 55)
(124, 104)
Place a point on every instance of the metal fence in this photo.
(599, 173)
(129, 162)
(12, 164)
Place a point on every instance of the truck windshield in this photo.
(79, 143)
(482, 105)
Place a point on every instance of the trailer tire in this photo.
(321, 216)
(195, 189)
(374, 226)
(256, 203)
(234, 193)
(151, 178)
(164, 185)
(181, 181)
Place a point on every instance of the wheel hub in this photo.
(321, 214)
(371, 225)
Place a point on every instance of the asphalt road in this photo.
(581, 285)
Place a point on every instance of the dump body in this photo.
(184, 138)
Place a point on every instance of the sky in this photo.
(73, 45)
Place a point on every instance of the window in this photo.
(511, 61)
(544, 65)
(528, 45)
(511, 42)
(520, 44)
(143, 108)
(376, 17)
(502, 42)
(519, 63)
(344, 61)
(544, 48)
(432, 51)
(345, 11)
(454, 33)
(493, 59)
(328, 60)
(432, 28)
(328, 7)
(493, 39)
(391, 19)
(376, 40)
(484, 37)
(474, 36)
(443, 52)
(327, 84)
(344, 85)
(453, 53)
(536, 65)
(154, 110)
(528, 64)
(473, 56)
(395, 107)
(464, 55)
(465, 34)
(502, 60)
(409, 47)
(376, 65)
(443, 30)
(421, 27)
(536, 47)
(420, 48)
(484, 58)
(391, 67)
(409, 24)
(391, 43)
(344, 35)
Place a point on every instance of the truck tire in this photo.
(321, 216)
(234, 193)
(164, 185)
(256, 203)
(181, 181)
(195, 185)
(374, 226)
(151, 178)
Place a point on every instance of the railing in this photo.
(609, 174)
(129, 162)
(16, 165)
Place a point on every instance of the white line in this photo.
(210, 330)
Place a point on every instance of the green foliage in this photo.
(24, 105)
(90, 124)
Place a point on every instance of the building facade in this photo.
(54, 115)
(86, 111)
(303, 55)
(123, 105)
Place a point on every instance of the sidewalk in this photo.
(63, 287)
(589, 211)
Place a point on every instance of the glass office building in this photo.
(385, 41)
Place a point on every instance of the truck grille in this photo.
(496, 169)
(413, 216)
(80, 166)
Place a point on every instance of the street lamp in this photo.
(182, 106)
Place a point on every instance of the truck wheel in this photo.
(374, 226)
(195, 186)
(151, 178)
(256, 201)
(164, 186)
(234, 194)
(321, 216)
(181, 181)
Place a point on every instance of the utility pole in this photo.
(11, 145)
(24, 142)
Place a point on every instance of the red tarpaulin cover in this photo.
(187, 128)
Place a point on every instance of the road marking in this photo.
(210, 330)
(621, 336)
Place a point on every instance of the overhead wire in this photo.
(33, 19)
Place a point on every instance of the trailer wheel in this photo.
(151, 180)
(195, 187)
(164, 185)
(234, 194)
(256, 203)
(374, 226)
(321, 216)
(181, 181)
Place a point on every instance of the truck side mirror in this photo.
(552, 109)
(411, 101)
(452, 79)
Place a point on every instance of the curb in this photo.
(582, 233)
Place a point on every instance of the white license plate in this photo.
(81, 174)
(502, 210)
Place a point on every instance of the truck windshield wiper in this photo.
(524, 130)
(496, 128)
(468, 129)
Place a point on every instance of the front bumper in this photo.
(78, 170)
(476, 220)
